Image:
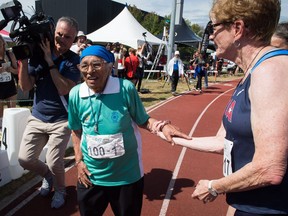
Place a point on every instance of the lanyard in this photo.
(95, 114)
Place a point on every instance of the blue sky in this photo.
(194, 10)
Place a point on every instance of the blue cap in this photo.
(100, 51)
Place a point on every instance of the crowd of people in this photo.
(93, 98)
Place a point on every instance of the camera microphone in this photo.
(3, 24)
(205, 38)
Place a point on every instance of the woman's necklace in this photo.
(253, 59)
(245, 73)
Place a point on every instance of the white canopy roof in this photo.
(125, 29)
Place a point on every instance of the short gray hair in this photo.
(70, 20)
(282, 31)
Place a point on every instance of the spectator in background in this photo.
(89, 42)
(53, 74)
(112, 48)
(80, 43)
(8, 86)
(117, 56)
(219, 65)
(280, 36)
(175, 70)
(192, 60)
(131, 64)
(140, 69)
(200, 67)
(121, 61)
(231, 67)
(109, 46)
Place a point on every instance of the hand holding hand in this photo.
(202, 193)
(171, 131)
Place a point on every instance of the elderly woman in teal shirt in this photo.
(104, 115)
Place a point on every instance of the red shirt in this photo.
(131, 64)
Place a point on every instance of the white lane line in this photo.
(170, 188)
(152, 108)
(31, 196)
(172, 182)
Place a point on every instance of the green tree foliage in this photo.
(197, 29)
(137, 13)
(150, 21)
(155, 25)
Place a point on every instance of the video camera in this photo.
(28, 33)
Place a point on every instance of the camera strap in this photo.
(57, 62)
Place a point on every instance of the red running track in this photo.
(170, 171)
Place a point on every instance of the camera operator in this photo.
(53, 76)
(8, 67)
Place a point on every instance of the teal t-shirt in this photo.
(117, 110)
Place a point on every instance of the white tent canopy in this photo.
(125, 29)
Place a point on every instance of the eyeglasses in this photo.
(211, 27)
(96, 65)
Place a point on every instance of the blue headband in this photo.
(99, 51)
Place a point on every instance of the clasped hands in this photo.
(202, 193)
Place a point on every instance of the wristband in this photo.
(53, 67)
(166, 122)
(211, 190)
(77, 162)
(157, 126)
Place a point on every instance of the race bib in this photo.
(105, 146)
(227, 163)
(5, 77)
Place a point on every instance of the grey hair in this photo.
(282, 31)
(71, 21)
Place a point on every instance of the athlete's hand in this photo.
(83, 174)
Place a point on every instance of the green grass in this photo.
(161, 90)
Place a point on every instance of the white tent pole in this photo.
(171, 31)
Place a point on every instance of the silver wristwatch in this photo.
(211, 190)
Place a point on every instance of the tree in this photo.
(153, 23)
(197, 29)
(150, 21)
(137, 13)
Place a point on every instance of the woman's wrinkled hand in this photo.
(83, 174)
(202, 193)
(170, 131)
